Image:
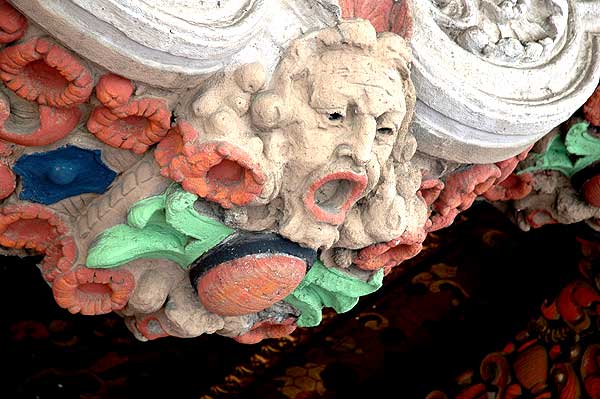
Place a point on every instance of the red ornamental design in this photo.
(135, 126)
(41, 71)
(114, 91)
(132, 125)
(509, 165)
(55, 123)
(591, 191)
(267, 329)
(591, 108)
(150, 327)
(5, 149)
(573, 300)
(461, 190)
(493, 181)
(13, 25)
(590, 371)
(430, 190)
(384, 15)
(8, 181)
(93, 291)
(556, 357)
(514, 187)
(34, 227)
(266, 280)
(390, 254)
(539, 217)
(217, 171)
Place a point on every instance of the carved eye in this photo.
(385, 131)
(335, 117)
(388, 124)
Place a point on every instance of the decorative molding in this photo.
(513, 33)
(176, 45)
(471, 110)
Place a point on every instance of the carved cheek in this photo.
(313, 149)
(383, 146)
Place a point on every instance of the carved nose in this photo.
(364, 134)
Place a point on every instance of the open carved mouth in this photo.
(330, 197)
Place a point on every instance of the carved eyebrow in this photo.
(375, 86)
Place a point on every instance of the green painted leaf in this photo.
(556, 157)
(181, 214)
(122, 244)
(163, 226)
(142, 211)
(329, 287)
(578, 144)
(581, 143)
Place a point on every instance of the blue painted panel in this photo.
(48, 177)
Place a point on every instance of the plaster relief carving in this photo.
(329, 130)
(202, 169)
(484, 92)
(510, 32)
(321, 162)
(208, 209)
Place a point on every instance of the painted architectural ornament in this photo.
(236, 169)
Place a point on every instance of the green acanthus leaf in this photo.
(556, 157)
(122, 244)
(330, 287)
(587, 147)
(142, 211)
(163, 226)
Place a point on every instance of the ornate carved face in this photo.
(338, 102)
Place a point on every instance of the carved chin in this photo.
(298, 226)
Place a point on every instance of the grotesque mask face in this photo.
(339, 103)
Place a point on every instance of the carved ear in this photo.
(394, 48)
(269, 111)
